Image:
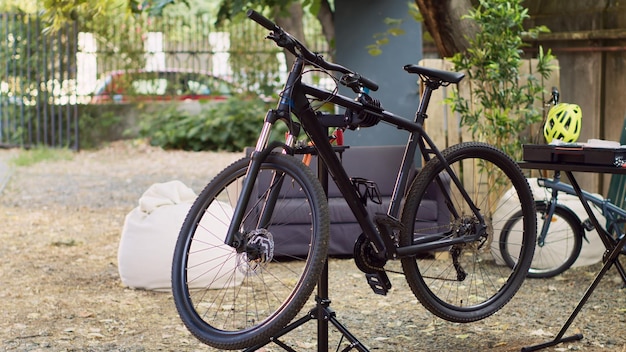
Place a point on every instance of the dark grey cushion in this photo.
(379, 164)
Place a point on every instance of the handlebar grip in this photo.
(262, 20)
(367, 83)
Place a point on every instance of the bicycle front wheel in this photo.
(466, 281)
(560, 248)
(230, 300)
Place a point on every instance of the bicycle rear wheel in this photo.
(465, 282)
(231, 300)
(561, 247)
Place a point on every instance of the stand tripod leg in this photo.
(326, 314)
(323, 314)
(354, 342)
(322, 311)
(610, 260)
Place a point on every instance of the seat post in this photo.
(429, 87)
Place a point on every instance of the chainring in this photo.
(365, 258)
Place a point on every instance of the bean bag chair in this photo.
(590, 253)
(149, 236)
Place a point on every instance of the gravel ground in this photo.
(60, 289)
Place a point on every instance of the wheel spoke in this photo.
(468, 281)
(232, 300)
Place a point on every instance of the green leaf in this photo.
(392, 21)
(374, 51)
(396, 31)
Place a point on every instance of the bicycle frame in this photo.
(294, 101)
(610, 211)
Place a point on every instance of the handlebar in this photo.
(555, 95)
(262, 20)
(285, 40)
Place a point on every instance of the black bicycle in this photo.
(234, 284)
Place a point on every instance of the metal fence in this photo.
(46, 76)
(37, 77)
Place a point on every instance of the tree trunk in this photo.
(291, 22)
(326, 18)
(442, 19)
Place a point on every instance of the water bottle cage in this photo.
(365, 117)
(367, 190)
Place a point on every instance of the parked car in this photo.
(164, 85)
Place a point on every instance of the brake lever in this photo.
(283, 40)
(351, 81)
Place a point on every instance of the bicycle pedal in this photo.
(379, 282)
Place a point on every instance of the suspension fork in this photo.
(541, 239)
(234, 237)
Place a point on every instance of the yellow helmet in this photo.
(564, 121)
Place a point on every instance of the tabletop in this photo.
(572, 167)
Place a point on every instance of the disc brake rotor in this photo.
(259, 252)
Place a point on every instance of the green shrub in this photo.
(226, 126)
(97, 128)
(501, 104)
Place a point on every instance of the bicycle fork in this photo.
(547, 217)
(234, 237)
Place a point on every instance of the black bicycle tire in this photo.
(261, 332)
(428, 298)
(572, 222)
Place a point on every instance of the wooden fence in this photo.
(443, 125)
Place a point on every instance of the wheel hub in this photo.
(259, 251)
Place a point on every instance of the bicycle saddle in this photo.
(445, 76)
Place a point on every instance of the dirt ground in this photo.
(60, 289)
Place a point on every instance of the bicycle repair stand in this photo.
(322, 311)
